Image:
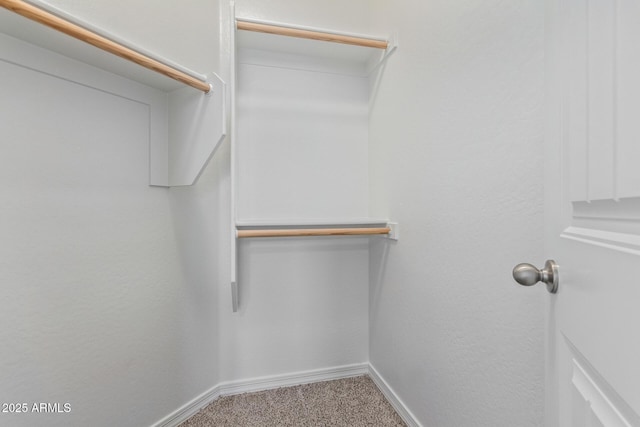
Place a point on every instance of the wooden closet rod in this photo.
(49, 19)
(309, 34)
(314, 232)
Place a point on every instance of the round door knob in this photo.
(528, 275)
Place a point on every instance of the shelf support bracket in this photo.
(390, 50)
(394, 234)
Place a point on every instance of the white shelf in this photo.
(180, 147)
(337, 226)
(317, 55)
(296, 223)
(37, 34)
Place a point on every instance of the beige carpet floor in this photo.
(349, 402)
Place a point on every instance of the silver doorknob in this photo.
(528, 275)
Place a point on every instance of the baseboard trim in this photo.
(395, 401)
(259, 384)
(186, 411)
(297, 378)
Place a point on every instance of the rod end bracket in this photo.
(394, 234)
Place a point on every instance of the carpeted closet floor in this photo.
(349, 402)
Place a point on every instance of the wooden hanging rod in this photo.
(314, 232)
(310, 34)
(49, 19)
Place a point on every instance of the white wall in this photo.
(351, 16)
(109, 286)
(455, 137)
(303, 302)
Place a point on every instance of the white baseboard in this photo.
(259, 384)
(393, 398)
(296, 378)
(186, 411)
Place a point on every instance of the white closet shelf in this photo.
(310, 232)
(302, 32)
(335, 51)
(298, 228)
(180, 147)
(44, 25)
(293, 223)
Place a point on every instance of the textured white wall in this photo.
(303, 301)
(110, 286)
(352, 16)
(455, 155)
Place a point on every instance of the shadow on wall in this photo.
(201, 226)
(378, 254)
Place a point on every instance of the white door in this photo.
(592, 192)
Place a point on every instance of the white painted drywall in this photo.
(455, 157)
(351, 16)
(303, 302)
(110, 287)
(91, 283)
(302, 142)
